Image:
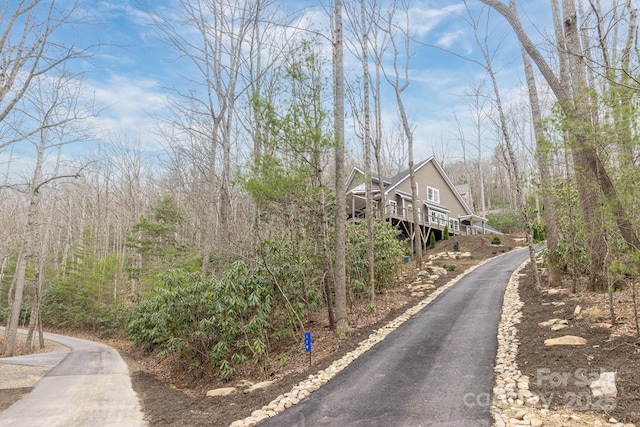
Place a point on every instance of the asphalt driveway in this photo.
(434, 370)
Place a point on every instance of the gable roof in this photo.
(404, 175)
(390, 184)
(360, 188)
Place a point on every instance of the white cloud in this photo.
(129, 105)
(447, 39)
(424, 18)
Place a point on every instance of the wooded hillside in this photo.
(219, 246)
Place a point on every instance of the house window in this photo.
(439, 218)
(433, 195)
(393, 207)
(454, 224)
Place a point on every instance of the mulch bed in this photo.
(561, 375)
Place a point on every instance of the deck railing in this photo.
(406, 214)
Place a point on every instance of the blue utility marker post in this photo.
(307, 344)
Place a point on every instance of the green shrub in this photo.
(432, 241)
(539, 232)
(225, 323)
(456, 246)
(506, 222)
(221, 322)
(496, 240)
(445, 233)
(112, 320)
(449, 267)
(388, 253)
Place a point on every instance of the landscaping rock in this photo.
(548, 323)
(244, 383)
(434, 270)
(535, 422)
(604, 325)
(565, 340)
(258, 386)
(423, 275)
(224, 391)
(605, 386)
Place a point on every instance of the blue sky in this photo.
(130, 76)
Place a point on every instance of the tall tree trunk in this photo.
(377, 145)
(40, 261)
(30, 234)
(417, 229)
(515, 169)
(367, 152)
(326, 262)
(542, 156)
(587, 187)
(340, 281)
(399, 86)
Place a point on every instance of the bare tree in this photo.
(400, 42)
(29, 54)
(214, 38)
(53, 105)
(477, 107)
(379, 42)
(28, 51)
(340, 281)
(506, 136)
(131, 193)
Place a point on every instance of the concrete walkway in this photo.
(89, 385)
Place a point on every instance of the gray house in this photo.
(440, 204)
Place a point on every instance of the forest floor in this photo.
(171, 395)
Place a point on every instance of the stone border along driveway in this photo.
(513, 404)
(314, 382)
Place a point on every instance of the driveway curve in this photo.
(436, 369)
(89, 385)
